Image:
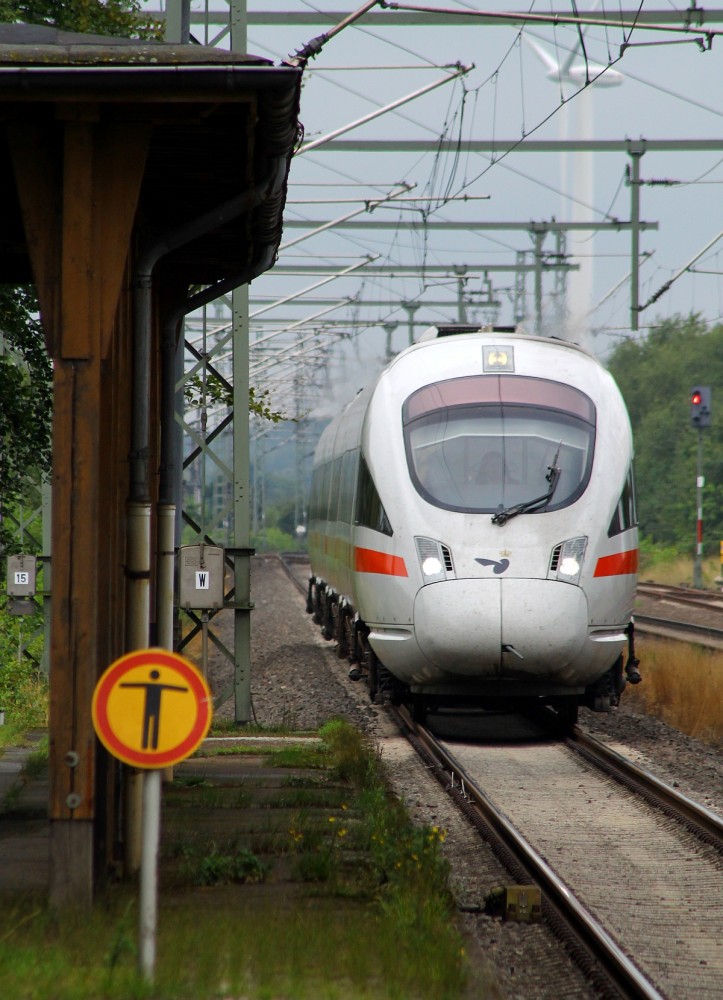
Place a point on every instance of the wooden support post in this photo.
(79, 212)
(74, 629)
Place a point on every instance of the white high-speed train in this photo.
(472, 526)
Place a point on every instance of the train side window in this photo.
(346, 486)
(317, 502)
(313, 496)
(335, 499)
(369, 510)
(322, 497)
(626, 515)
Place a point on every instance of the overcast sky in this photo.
(667, 91)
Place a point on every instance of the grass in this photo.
(37, 761)
(227, 727)
(669, 567)
(225, 867)
(35, 764)
(18, 719)
(682, 685)
(339, 897)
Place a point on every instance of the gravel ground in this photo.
(297, 680)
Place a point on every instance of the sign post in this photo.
(700, 417)
(151, 709)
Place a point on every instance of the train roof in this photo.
(551, 357)
(457, 329)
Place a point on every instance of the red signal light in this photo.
(700, 410)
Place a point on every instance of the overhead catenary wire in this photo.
(360, 28)
(424, 125)
(680, 272)
(459, 71)
(555, 18)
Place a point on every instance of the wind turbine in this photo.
(577, 74)
(577, 122)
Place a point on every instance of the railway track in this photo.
(633, 891)
(710, 600)
(687, 615)
(630, 871)
(671, 628)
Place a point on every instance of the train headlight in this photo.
(435, 560)
(431, 566)
(569, 557)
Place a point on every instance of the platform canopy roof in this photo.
(220, 125)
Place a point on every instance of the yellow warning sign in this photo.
(152, 708)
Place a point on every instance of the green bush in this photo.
(224, 867)
(273, 539)
(23, 689)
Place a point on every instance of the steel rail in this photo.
(682, 595)
(286, 559)
(569, 918)
(697, 818)
(685, 630)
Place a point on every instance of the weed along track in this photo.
(297, 844)
(242, 803)
(653, 889)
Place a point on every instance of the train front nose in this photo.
(500, 627)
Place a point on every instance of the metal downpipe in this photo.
(166, 541)
(138, 506)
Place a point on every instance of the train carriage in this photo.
(472, 526)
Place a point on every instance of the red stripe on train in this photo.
(618, 564)
(371, 561)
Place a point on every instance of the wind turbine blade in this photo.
(545, 58)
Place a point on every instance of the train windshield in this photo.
(487, 442)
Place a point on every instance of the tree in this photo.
(655, 376)
(25, 390)
(122, 18)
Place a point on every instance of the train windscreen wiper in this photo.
(530, 506)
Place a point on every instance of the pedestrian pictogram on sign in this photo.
(151, 708)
